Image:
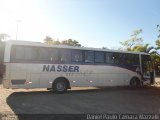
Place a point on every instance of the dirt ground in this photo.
(81, 100)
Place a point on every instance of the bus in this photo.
(59, 67)
(2, 45)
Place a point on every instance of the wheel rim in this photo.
(134, 82)
(60, 86)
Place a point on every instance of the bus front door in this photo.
(147, 70)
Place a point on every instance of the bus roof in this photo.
(29, 43)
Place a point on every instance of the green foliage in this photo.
(143, 48)
(134, 40)
(135, 44)
(69, 42)
(158, 42)
(57, 42)
(136, 32)
(48, 40)
(140, 48)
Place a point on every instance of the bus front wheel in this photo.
(134, 82)
(59, 86)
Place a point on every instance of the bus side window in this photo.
(43, 54)
(136, 59)
(120, 58)
(19, 53)
(109, 57)
(76, 56)
(65, 56)
(54, 55)
(129, 59)
(116, 58)
(23, 54)
(89, 56)
(99, 57)
(126, 59)
(30, 53)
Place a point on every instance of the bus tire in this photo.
(134, 82)
(60, 86)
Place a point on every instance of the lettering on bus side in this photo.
(60, 68)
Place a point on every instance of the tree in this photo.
(3, 36)
(134, 40)
(48, 40)
(158, 40)
(144, 48)
(71, 42)
(155, 54)
(56, 42)
(140, 48)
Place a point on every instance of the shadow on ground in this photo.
(103, 100)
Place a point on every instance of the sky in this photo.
(94, 23)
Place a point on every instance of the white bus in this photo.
(2, 45)
(58, 67)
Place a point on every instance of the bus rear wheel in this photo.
(59, 86)
(134, 82)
